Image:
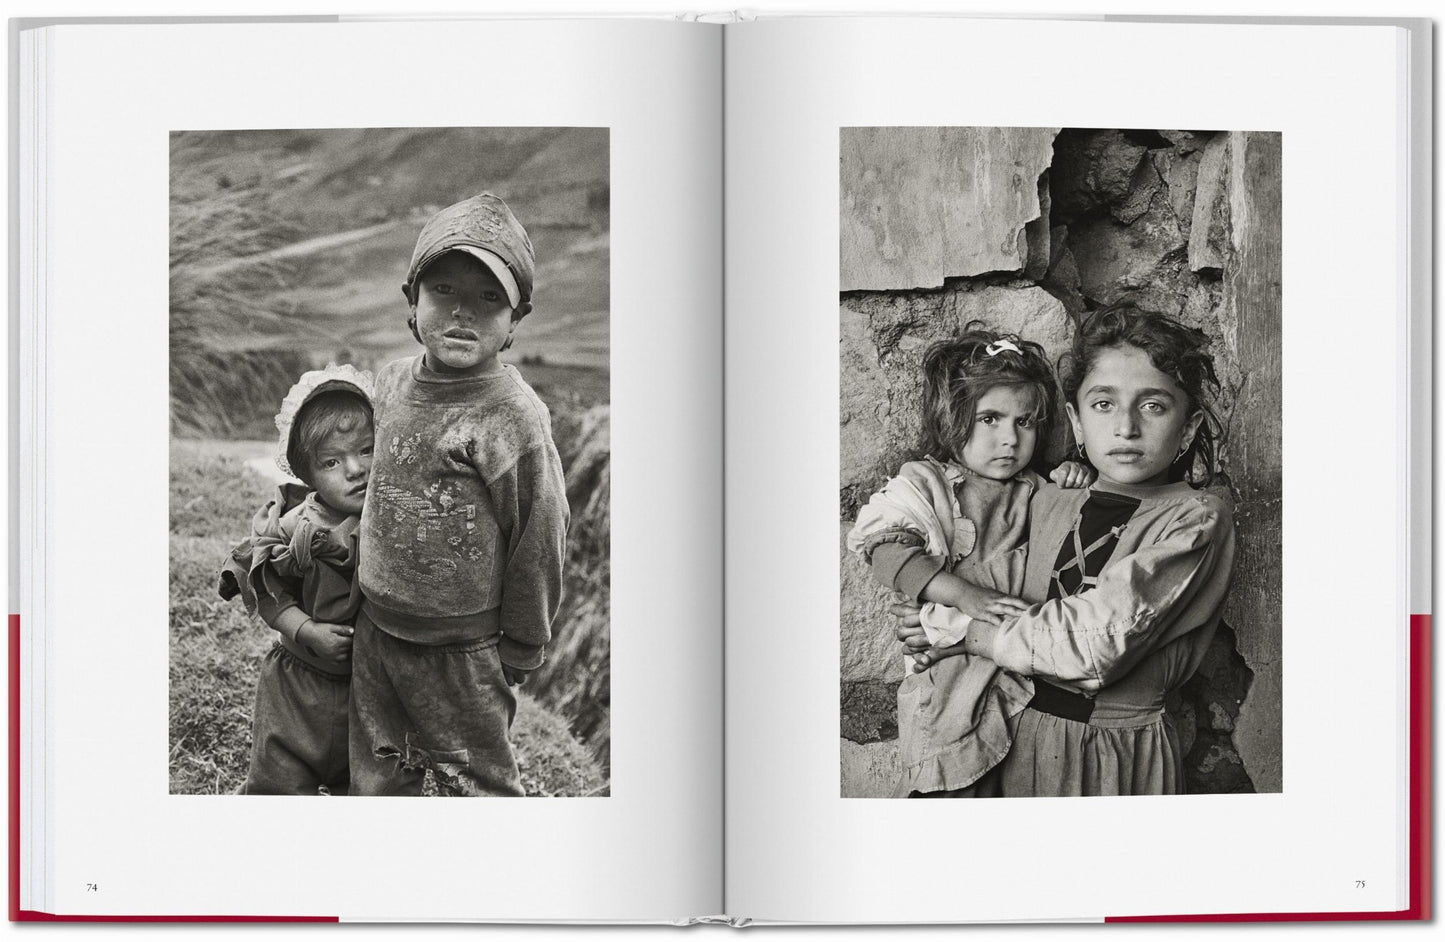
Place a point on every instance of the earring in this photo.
(1079, 447)
(508, 345)
(1183, 448)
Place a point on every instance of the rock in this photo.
(1143, 190)
(869, 711)
(1251, 312)
(1037, 234)
(1062, 280)
(1092, 170)
(1186, 142)
(870, 771)
(868, 650)
(863, 397)
(919, 205)
(1142, 261)
(1180, 174)
(881, 362)
(1209, 228)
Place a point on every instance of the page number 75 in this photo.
(1359, 884)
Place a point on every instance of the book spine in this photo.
(28, 777)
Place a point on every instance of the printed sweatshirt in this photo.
(464, 530)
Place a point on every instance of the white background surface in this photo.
(1317, 7)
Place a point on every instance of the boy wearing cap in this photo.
(464, 529)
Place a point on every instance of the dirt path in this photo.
(307, 247)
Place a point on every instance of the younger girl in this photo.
(1127, 579)
(298, 572)
(949, 530)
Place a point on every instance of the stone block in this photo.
(919, 205)
(883, 338)
(1180, 174)
(1062, 279)
(1037, 234)
(1209, 228)
(1186, 142)
(1251, 312)
(869, 771)
(868, 649)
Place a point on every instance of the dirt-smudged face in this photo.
(463, 317)
(1132, 418)
(1001, 442)
(341, 467)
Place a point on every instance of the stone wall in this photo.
(1027, 229)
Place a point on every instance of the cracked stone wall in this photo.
(1028, 229)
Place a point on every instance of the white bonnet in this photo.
(307, 387)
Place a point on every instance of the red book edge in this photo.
(1419, 827)
(29, 915)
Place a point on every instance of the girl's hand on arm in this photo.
(973, 600)
(913, 639)
(329, 642)
(1006, 607)
(1071, 474)
(907, 614)
(926, 659)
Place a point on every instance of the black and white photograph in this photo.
(1060, 452)
(390, 450)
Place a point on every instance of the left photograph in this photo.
(390, 462)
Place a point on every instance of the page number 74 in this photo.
(92, 888)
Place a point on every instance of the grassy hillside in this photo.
(290, 246)
(216, 648)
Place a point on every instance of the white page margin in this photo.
(796, 851)
(652, 850)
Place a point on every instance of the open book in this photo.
(749, 240)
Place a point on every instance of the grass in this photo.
(216, 648)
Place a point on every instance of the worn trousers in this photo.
(298, 729)
(415, 707)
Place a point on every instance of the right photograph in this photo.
(1060, 456)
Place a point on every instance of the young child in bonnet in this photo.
(464, 531)
(297, 571)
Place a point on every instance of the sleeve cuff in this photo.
(522, 657)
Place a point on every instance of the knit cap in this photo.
(484, 228)
(308, 387)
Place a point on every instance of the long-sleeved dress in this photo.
(954, 718)
(1129, 584)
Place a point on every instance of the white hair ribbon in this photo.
(999, 346)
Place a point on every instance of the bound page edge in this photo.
(30, 811)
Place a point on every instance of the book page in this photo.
(231, 205)
(893, 183)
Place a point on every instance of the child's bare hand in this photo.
(1007, 607)
(908, 614)
(515, 676)
(1072, 474)
(913, 639)
(976, 601)
(926, 659)
(329, 642)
